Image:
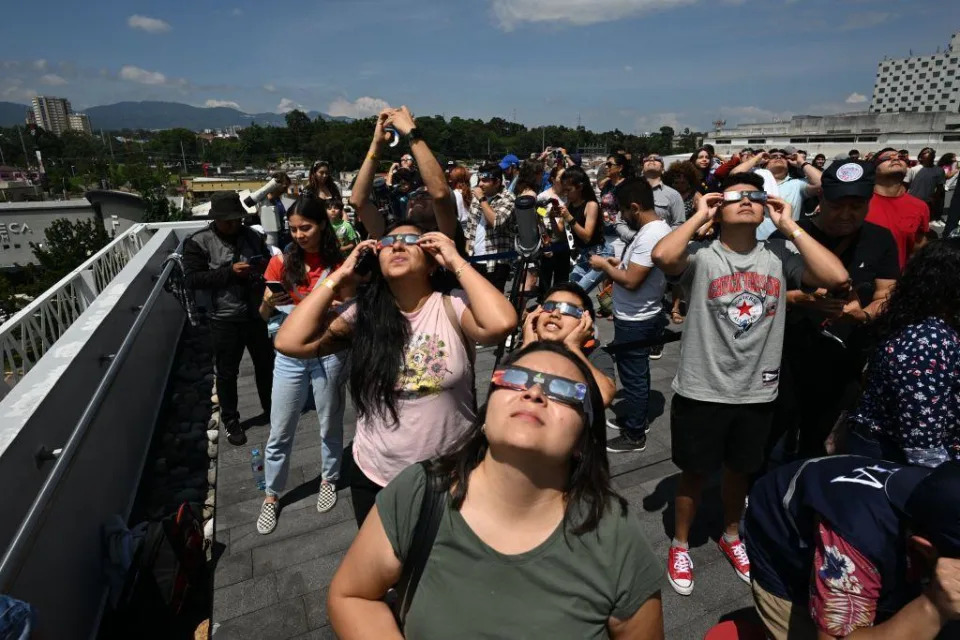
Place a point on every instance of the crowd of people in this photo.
(819, 317)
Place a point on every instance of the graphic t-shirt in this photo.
(345, 233)
(733, 338)
(904, 216)
(315, 270)
(434, 390)
(568, 586)
(643, 302)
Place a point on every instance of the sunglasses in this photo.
(777, 156)
(610, 164)
(393, 238)
(889, 155)
(562, 390)
(653, 159)
(564, 308)
(737, 196)
(487, 176)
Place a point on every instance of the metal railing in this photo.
(29, 334)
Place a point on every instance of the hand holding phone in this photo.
(276, 287)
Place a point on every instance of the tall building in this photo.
(919, 83)
(80, 122)
(53, 114)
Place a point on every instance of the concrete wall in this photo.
(63, 573)
(20, 227)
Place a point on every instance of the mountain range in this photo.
(162, 115)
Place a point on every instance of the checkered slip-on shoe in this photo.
(327, 497)
(267, 521)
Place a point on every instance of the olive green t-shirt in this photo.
(567, 587)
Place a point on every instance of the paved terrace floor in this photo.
(275, 586)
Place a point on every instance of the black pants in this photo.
(229, 341)
(363, 493)
(554, 270)
(497, 276)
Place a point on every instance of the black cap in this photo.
(850, 178)
(226, 205)
(930, 499)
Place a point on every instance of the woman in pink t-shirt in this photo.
(411, 347)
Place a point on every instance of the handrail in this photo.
(21, 542)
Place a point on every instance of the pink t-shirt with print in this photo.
(435, 403)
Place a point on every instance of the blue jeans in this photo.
(16, 619)
(633, 366)
(582, 274)
(292, 379)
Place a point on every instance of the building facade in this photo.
(53, 114)
(80, 122)
(919, 84)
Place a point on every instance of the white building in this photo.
(53, 114)
(80, 122)
(919, 83)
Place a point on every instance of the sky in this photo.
(634, 65)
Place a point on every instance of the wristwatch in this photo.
(414, 134)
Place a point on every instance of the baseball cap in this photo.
(850, 178)
(930, 499)
(509, 160)
(576, 159)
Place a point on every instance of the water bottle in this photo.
(256, 465)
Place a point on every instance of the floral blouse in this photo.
(912, 395)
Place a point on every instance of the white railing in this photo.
(29, 334)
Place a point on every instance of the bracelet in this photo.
(330, 283)
(796, 233)
(460, 270)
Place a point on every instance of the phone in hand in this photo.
(276, 287)
(365, 262)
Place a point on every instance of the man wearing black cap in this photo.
(224, 265)
(823, 344)
(853, 547)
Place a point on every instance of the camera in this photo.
(385, 202)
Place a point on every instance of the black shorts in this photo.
(706, 435)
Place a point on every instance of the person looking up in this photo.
(668, 202)
(406, 162)
(682, 177)
(730, 351)
(910, 408)
(224, 263)
(567, 316)
(928, 183)
(791, 189)
(310, 258)
(582, 217)
(554, 266)
(492, 226)
(907, 217)
(638, 288)
(414, 394)
(529, 493)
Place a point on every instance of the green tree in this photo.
(68, 244)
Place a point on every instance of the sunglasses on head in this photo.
(564, 308)
(563, 390)
(486, 176)
(737, 196)
(393, 238)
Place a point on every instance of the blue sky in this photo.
(630, 64)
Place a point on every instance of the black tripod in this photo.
(518, 298)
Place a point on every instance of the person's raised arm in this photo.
(306, 332)
(670, 254)
(749, 164)
(821, 267)
(489, 317)
(363, 185)
(591, 215)
(811, 173)
(355, 600)
(434, 179)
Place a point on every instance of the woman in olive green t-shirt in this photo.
(532, 543)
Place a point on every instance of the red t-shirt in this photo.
(904, 216)
(315, 269)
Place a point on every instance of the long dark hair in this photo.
(927, 288)
(294, 257)
(578, 177)
(329, 183)
(530, 177)
(379, 344)
(626, 167)
(588, 492)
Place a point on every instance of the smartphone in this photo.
(365, 262)
(276, 287)
(253, 260)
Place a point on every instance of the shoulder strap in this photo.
(452, 317)
(424, 534)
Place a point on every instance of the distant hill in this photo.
(161, 115)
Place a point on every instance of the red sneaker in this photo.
(736, 553)
(680, 570)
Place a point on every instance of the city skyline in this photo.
(634, 65)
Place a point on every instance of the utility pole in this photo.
(26, 158)
(2, 161)
(183, 157)
(110, 142)
(543, 138)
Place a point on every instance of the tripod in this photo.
(518, 299)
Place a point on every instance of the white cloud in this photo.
(14, 91)
(237, 12)
(652, 122)
(510, 13)
(269, 87)
(52, 79)
(40, 65)
(752, 114)
(627, 68)
(360, 108)
(150, 25)
(865, 20)
(222, 103)
(856, 98)
(286, 104)
(136, 74)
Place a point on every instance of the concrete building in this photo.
(53, 114)
(80, 122)
(919, 84)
